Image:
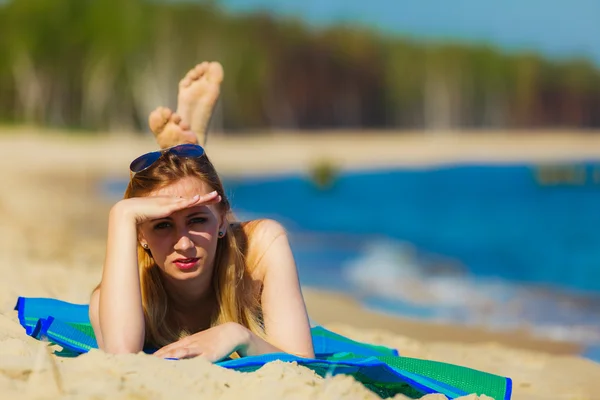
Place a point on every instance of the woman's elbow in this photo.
(306, 353)
(121, 347)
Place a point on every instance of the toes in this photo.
(175, 118)
(166, 113)
(194, 74)
(200, 69)
(158, 119)
(185, 82)
(215, 72)
(187, 79)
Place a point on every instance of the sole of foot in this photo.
(199, 91)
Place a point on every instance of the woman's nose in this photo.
(184, 243)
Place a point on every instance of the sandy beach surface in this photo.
(52, 238)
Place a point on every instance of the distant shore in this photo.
(289, 152)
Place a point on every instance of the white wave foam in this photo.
(392, 271)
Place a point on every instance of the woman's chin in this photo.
(184, 274)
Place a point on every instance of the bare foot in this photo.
(198, 94)
(169, 129)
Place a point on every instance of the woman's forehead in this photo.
(185, 187)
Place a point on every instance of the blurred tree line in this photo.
(104, 64)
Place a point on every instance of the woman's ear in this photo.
(144, 243)
(142, 240)
(223, 228)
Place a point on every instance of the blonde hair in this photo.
(236, 298)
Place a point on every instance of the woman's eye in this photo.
(162, 225)
(198, 220)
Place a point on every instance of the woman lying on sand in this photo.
(180, 274)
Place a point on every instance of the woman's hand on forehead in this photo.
(142, 209)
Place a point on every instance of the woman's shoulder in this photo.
(257, 236)
(262, 229)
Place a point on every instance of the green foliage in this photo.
(323, 173)
(101, 63)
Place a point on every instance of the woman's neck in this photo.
(190, 296)
(191, 309)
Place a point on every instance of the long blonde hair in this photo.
(237, 300)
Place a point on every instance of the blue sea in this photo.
(501, 246)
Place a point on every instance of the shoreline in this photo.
(344, 310)
(289, 152)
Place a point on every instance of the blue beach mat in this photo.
(379, 368)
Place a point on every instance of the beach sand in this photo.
(52, 245)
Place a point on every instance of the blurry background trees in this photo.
(104, 64)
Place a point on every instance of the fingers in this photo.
(180, 349)
(185, 352)
(176, 204)
(210, 198)
(167, 205)
(168, 350)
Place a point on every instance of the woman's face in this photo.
(184, 244)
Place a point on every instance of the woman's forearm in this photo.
(121, 314)
(254, 345)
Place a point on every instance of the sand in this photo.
(52, 245)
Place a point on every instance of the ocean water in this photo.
(511, 246)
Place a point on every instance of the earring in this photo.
(221, 234)
(145, 245)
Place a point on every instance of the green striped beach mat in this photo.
(379, 368)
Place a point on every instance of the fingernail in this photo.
(196, 197)
(213, 192)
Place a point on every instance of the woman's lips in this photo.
(186, 263)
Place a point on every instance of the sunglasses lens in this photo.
(183, 150)
(144, 161)
(188, 150)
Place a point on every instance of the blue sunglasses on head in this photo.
(145, 161)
